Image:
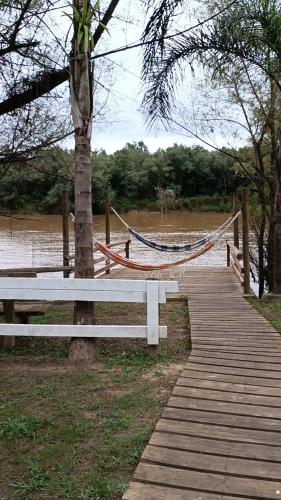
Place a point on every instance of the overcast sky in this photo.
(123, 119)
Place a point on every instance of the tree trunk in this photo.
(80, 349)
(261, 255)
(81, 90)
(262, 222)
(277, 225)
(81, 101)
(277, 240)
(272, 187)
(270, 244)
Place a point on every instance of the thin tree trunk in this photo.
(262, 223)
(277, 241)
(277, 225)
(261, 255)
(272, 187)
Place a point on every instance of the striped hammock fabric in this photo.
(119, 259)
(187, 247)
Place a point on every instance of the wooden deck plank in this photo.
(273, 352)
(231, 370)
(202, 444)
(220, 434)
(225, 419)
(233, 397)
(225, 407)
(228, 386)
(231, 377)
(201, 461)
(256, 365)
(266, 359)
(225, 433)
(213, 483)
(143, 491)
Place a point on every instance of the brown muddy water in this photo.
(37, 240)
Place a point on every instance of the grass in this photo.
(38, 480)
(15, 427)
(270, 309)
(77, 431)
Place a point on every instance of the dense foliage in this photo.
(199, 178)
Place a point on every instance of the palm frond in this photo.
(249, 30)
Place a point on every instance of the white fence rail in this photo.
(151, 292)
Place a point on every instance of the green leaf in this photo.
(86, 39)
(89, 17)
(96, 6)
(68, 15)
(76, 15)
(104, 27)
(84, 10)
(79, 37)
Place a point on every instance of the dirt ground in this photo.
(77, 430)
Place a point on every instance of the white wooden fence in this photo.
(151, 292)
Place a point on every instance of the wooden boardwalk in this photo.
(219, 436)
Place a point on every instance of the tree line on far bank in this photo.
(201, 179)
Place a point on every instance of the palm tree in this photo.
(248, 30)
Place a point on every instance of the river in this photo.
(31, 241)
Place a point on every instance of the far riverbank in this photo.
(203, 203)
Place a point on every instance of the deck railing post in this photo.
(107, 225)
(227, 255)
(236, 222)
(127, 249)
(65, 230)
(246, 249)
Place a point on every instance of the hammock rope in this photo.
(187, 247)
(123, 261)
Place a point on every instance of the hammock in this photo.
(187, 247)
(119, 259)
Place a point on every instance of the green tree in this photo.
(248, 31)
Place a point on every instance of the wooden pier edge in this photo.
(219, 434)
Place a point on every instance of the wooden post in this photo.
(246, 252)
(127, 249)
(227, 255)
(65, 231)
(107, 225)
(236, 222)
(9, 308)
(10, 317)
(153, 314)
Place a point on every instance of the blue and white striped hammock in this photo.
(187, 247)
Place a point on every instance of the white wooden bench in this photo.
(151, 292)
